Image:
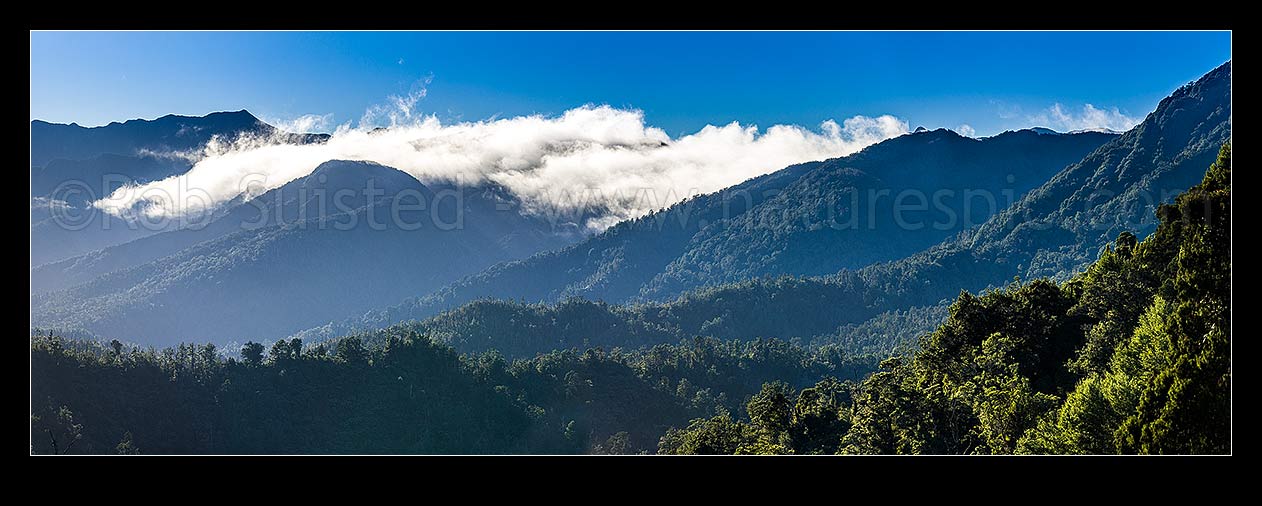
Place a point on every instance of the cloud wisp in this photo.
(307, 123)
(1089, 118)
(600, 151)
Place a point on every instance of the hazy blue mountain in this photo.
(289, 203)
(71, 166)
(55, 238)
(808, 219)
(272, 277)
(170, 134)
(1061, 226)
(63, 223)
(125, 168)
(1055, 230)
(843, 215)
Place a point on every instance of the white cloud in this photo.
(398, 109)
(966, 130)
(605, 153)
(306, 123)
(50, 203)
(1090, 117)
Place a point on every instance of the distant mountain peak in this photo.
(355, 174)
(1097, 130)
(171, 132)
(1050, 132)
(936, 133)
(242, 114)
(339, 167)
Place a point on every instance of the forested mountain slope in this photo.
(807, 219)
(1131, 356)
(1055, 230)
(1061, 226)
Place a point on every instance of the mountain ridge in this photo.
(175, 132)
(348, 253)
(1180, 137)
(72, 166)
(626, 261)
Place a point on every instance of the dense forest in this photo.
(783, 307)
(1132, 355)
(407, 394)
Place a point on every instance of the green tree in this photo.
(771, 412)
(719, 435)
(820, 417)
(252, 354)
(1186, 407)
(350, 350)
(126, 446)
(56, 432)
(617, 444)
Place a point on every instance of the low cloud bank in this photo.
(591, 157)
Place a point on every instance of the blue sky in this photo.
(990, 81)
